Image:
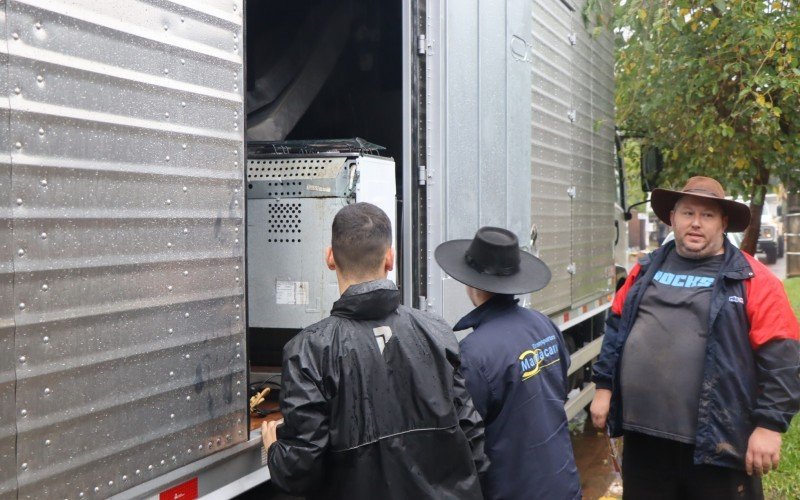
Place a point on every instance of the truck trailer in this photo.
(129, 332)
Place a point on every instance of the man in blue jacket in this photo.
(515, 364)
(699, 365)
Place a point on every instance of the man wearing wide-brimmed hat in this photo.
(699, 368)
(515, 364)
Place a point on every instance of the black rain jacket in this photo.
(375, 406)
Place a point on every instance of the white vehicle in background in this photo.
(770, 238)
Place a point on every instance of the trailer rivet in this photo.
(38, 26)
(166, 71)
(238, 344)
(236, 240)
(39, 78)
(111, 483)
(47, 390)
(237, 268)
(124, 478)
(96, 489)
(20, 252)
(199, 446)
(25, 466)
(80, 494)
(186, 230)
(22, 305)
(182, 20)
(183, 61)
(166, 115)
(238, 382)
(168, 202)
(18, 145)
(138, 472)
(187, 356)
(149, 467)
(186, 273)
(228, 437)
(210, 444)
(238, 317)
(15, 36)
(238, 393)
(45, 288)
(171, 373)
(186, 315)
(17, 90)
(45, 339)
(23, 412)
(169, 330)
(236, 202)
(41, 131)
(237, 357)
(166, 27)
(183, 145)
(171, 415)
(169, 245)
(167, 158)
(43, 182)
(43, 236)
(174, 458)
(163, 462)
(238, 420)
(170, 289)
(22, 359)
(185, 189)
(47, 442)
(19, 201)
(188, 450)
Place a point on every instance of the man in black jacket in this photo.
(373, 400)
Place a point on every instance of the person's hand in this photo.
(269, 432)
(763, 451)
(599, 407)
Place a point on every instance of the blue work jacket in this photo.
(515, 364)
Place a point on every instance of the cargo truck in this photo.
(125, 351)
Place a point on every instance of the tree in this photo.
(715, 84)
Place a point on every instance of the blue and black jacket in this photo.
(751, 375)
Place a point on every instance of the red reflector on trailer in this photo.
(184, 491)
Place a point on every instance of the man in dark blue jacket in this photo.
(515, 364)
(699, 365)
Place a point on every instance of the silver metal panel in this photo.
(8, 427)
(552, 153)
(128, 240)
(594, 207)
(480, 54)
(285, 242)
(306, 177)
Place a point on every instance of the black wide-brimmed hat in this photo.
(492, 261)
(663, 201)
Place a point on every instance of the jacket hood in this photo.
(485, 311)
(369, 300)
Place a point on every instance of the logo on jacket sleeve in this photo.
(541, 355)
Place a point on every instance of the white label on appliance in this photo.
(291, 292)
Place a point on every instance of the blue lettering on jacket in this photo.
(683, 280)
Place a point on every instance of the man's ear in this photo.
(672, 218)
(388, 261)
(329, 258)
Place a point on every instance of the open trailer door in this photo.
(122, 238)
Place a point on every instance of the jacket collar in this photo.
(369, 300)
(486, 311)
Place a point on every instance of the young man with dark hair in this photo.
(373, 400)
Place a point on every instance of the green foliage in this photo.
(715, 84)
(785, 482)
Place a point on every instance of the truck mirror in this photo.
(652, 165)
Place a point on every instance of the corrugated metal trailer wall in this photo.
(572, 154)
(8, 426)
(126, 133)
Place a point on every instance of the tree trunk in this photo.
(756, 207)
